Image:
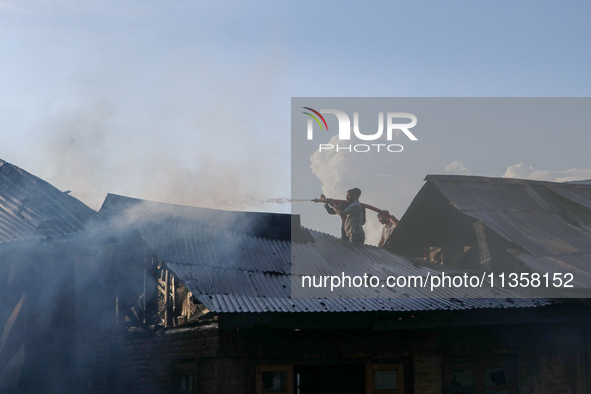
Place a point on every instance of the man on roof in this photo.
(352, 215)
(390, 222)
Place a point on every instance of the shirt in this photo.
(387, 231)
(354, 218)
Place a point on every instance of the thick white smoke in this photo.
(387, 180)
(191, 137)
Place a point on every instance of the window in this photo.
(480, 375)
(85, 385)
(186, 377)
(354, 378)
(277, 379)
(187, 383)
(329, 378)
(384, 379)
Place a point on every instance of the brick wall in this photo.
(550, 358)
(427, 374)
(145, 363)
(557, 363)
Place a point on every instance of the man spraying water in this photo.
(352, 214)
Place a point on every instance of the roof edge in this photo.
(500, 180)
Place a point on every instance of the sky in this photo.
(189, 102)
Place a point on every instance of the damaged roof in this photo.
(31, 208)
(548, 223)
(230, 267)
(267, 225)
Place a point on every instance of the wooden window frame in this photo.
(371, 368)
(186, 368)
(275, 368)
(479, 364)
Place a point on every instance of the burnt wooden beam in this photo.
(135, 314)
(173, 292)
(483, 247)
(167, 299)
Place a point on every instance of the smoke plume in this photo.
(172, 140)
(387, 180)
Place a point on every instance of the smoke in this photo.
(192, 137)
(528, 172)
(127, 214)
(387, 180)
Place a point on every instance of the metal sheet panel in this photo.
(540, 233)
(31, 208)
(578, 194)
(196, 244)
(330, 256)
(534, 215)
(575, 264)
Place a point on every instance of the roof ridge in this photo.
(171, 205)
(484, 179)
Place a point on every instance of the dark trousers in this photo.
(357, 238)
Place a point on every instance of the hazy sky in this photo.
(189, 101)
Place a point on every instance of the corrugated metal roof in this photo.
(202, 246)
(230, 268)
(580, 195)
(329, 256)
(550, 221)
(577, 265)
(230, 272)
(31, 208)
(230, 303)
